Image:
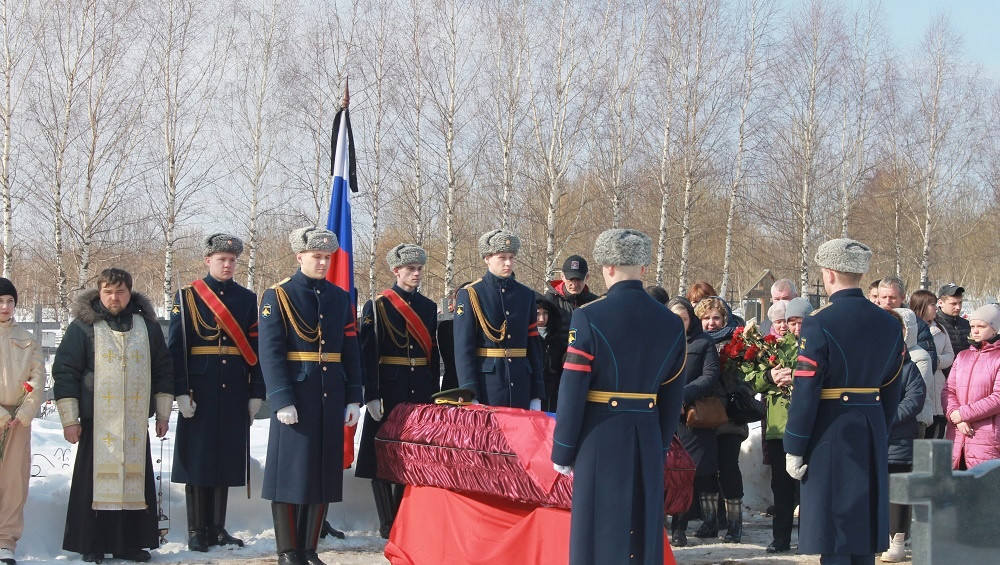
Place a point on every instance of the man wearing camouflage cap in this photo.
(311, 362)
(619, 402)
(846, 390)
(218, 386)
(498, 353)
(399, 353)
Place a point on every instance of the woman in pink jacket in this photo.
(972, 395)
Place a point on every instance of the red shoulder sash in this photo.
(414, 325)
(225, 320)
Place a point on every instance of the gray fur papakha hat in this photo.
(623, 247)
(844, 255)
(313, 239)
(498, 241)
(223, 243)
(406, 254)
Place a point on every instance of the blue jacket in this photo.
(904, 425)
(850, 344)
(211, 446)
(305, 461)
(499, 380)
(622, 345)
(387, 336)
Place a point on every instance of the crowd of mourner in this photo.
(838, 392)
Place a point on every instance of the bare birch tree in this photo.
(65, 44)
(258, 116)
(448, 85)
(19, 37)
(666, 54)
(756, 27)
(556, 97)
(112, 104)
(812, 56)
(185, 53)
(702, 72)
(509, 42)
(617, 125)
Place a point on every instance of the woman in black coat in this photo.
(702, 375)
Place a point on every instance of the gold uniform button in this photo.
(650, 404)
(322, 342)
(614, 403)
(845, 397)
(324, 368)
(321, 315)
(877, 397)
(224, 361)
(324, 395)
(223, 385)
(222, 292)
(224, 338)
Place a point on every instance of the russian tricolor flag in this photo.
(341, 272)
(338, 221)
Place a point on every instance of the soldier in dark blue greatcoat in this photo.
(619, 404)
(311, 362)
(498, 353)
(844, 396)
(400, 356)
(219, 388)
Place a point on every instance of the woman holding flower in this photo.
(22, 379)
(774, 384)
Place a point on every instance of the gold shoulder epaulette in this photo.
(281, 282)
(816, 311)
(593, 301)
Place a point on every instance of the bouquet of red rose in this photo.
(6, 429)
(748, 354)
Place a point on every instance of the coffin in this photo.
(495, 451)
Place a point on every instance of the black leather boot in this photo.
(329, 530)
(311, 517)
(734, 512)
(709, 508)
(217, 531)
(382, 490)
(194, 498)
(286, 533)
(678, 530)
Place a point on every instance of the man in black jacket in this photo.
(570, 291)
(950, 318)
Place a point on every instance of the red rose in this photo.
(770, 338)
(772, 358)
(28, 387)
(751, 353)
(738, 331)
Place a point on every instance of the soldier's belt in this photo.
(215, 350)
(612, 398)
(844, 393)
(405, 361)
(313, 356)
(498, 352)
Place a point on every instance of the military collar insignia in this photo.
(265, 311)
(460, 309)
(175, 310)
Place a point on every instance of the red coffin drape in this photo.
(437, 526)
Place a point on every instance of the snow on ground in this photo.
(52, 467)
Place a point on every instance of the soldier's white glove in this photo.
(374, 408)
(288, 415)
(254, 406)
(186, 406)
(352, 413)
(535, 404)
(564, 469)
(795, 467)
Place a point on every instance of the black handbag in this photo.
(743, 407)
